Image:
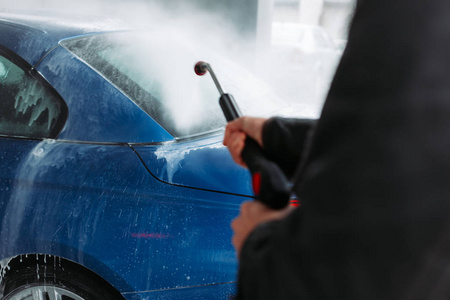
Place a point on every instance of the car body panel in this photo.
(22, 39)
(33, 34)
(107, 114)
(208, 292)
(188, 163)
(151, 237)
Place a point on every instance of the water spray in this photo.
(270, 185)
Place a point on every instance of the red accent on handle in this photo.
(294, 202)
(256, 183)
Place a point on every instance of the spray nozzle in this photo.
(201, 68)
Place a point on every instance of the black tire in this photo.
(50, 278)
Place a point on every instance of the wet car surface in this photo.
(114, 180)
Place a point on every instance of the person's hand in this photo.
(236, 133)
(252, 214)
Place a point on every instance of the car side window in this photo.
(28, 106)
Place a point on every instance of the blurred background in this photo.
(293, 45)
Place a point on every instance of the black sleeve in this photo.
(284, 141)
(270, 269)
(375, 195)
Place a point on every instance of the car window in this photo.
(157, 74)
(27, 107)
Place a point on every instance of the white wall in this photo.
(310, 11)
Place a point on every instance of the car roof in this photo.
(31, 34)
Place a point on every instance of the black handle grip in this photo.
(270, 185)
(229, 107)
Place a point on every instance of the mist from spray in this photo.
(185, 28)
(180, 21)
(204, 35)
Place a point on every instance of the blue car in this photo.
(114, 183)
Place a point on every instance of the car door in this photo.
(30, 112)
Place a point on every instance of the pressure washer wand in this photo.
(270, 185)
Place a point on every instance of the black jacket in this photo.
(375, 179)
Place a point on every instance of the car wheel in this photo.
(44, 277)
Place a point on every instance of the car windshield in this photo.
(157, 73)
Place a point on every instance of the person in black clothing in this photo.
(372, 174)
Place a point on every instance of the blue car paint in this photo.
(21, 39)
(97, 110)
(32, 38)
(96, 203)
(190, 162)
(95, 199)
(208, 292)
(31, 43)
